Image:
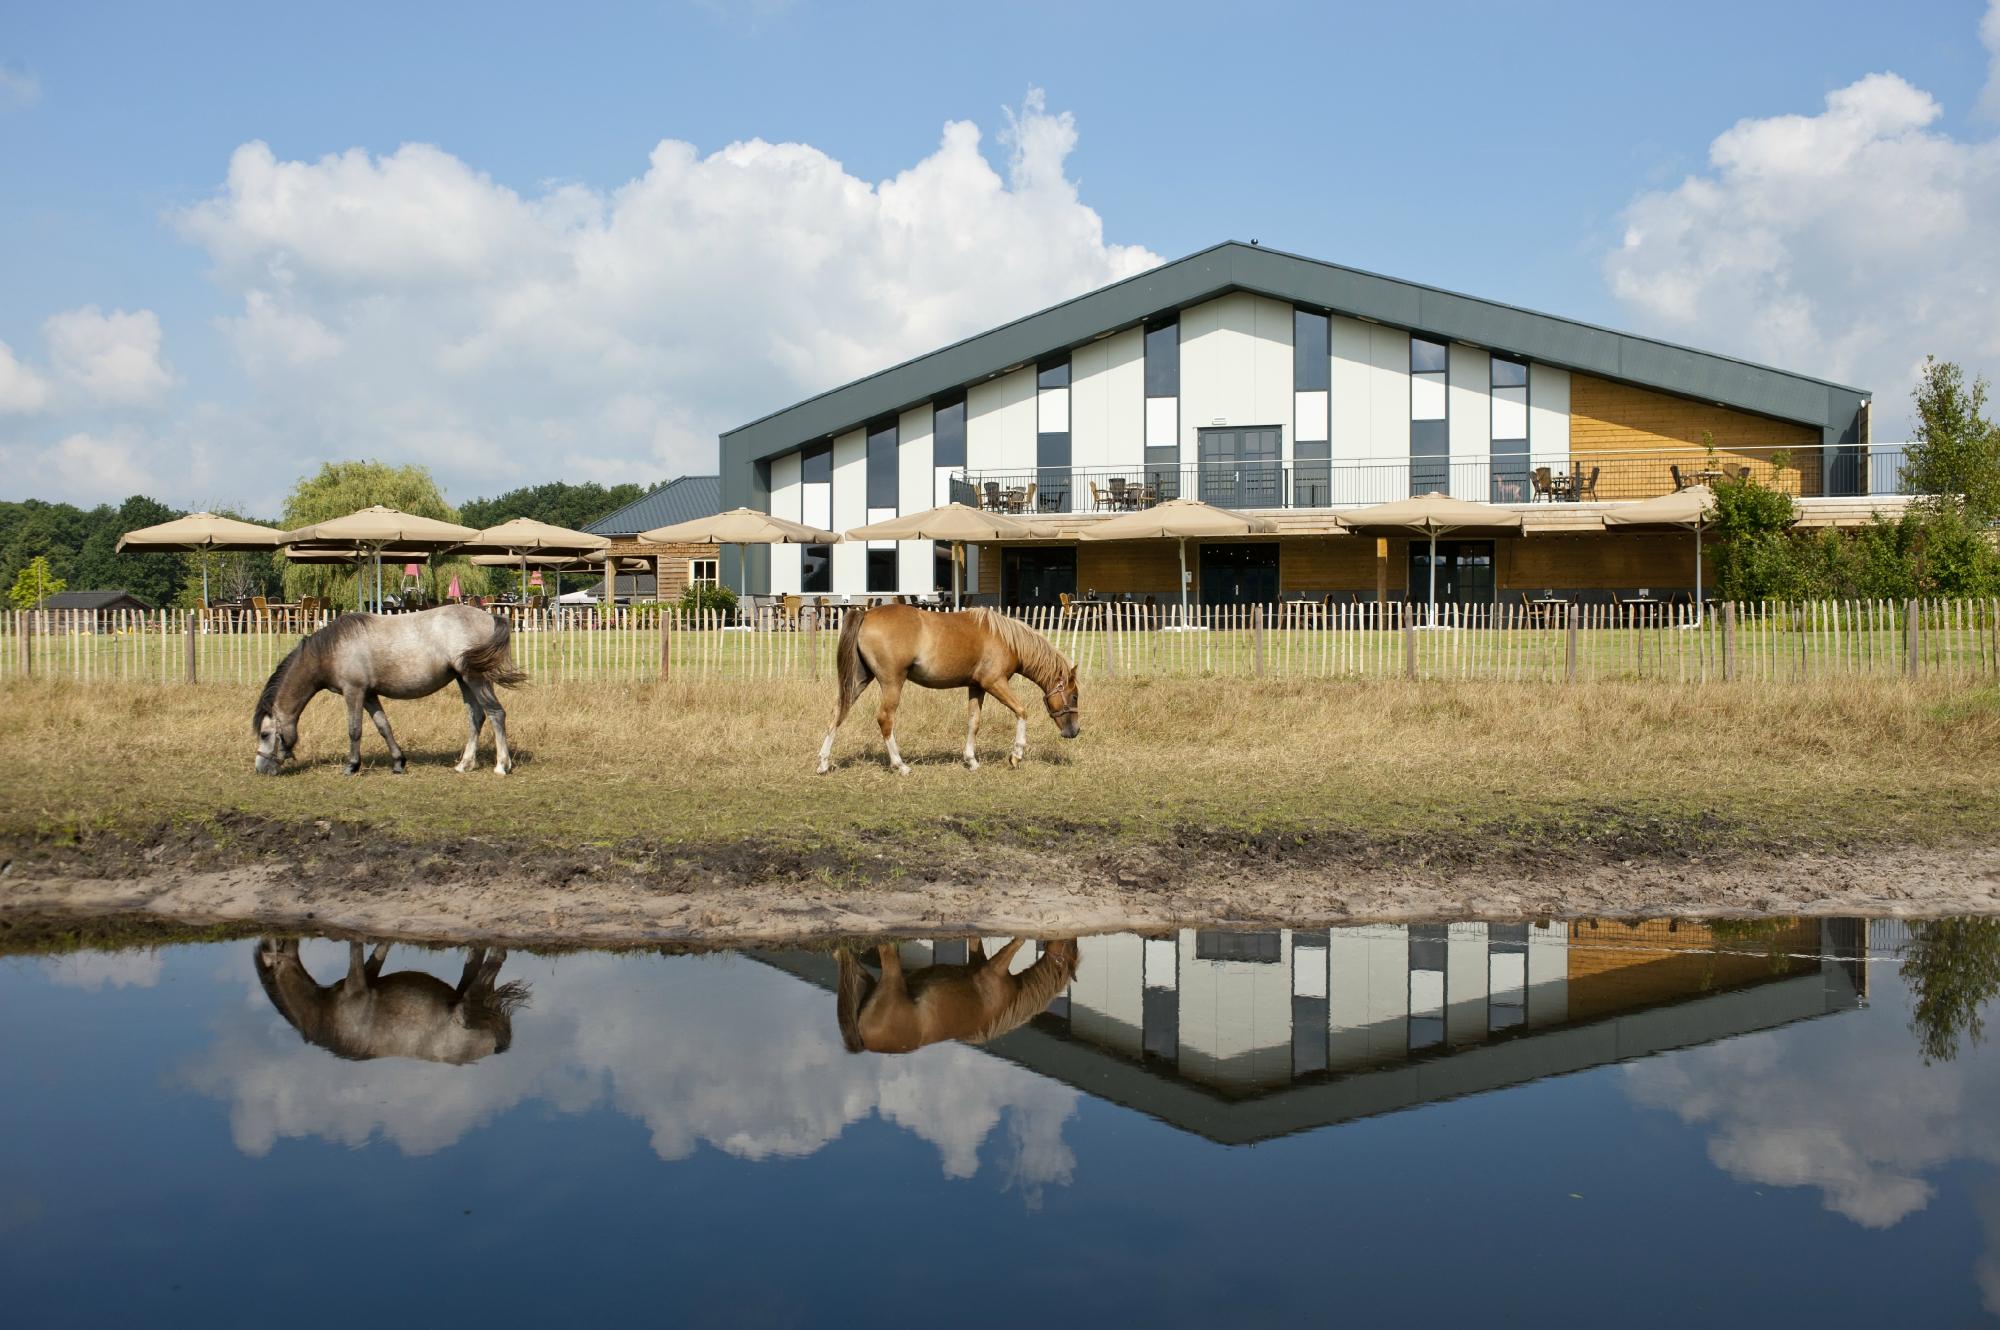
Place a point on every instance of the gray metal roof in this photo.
(1234, 266)
(94, 600)
(680, 500)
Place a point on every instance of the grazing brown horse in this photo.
(410, 1014)
(367, 657)
(976, 650)
(977, 1001)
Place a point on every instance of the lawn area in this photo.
(1866, 761)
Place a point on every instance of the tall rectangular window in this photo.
(1510, 431)
(1052, 475)
(948, 433)
(816, 464)
(1163, 410)
(816, 569)
(1312, 380)
(882, 465)
(1430, 432)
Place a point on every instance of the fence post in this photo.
(1257, 635)
(21, 629)
(1409, 643)
(1728, 641)
(192, 672)
(666, 642)
(1910, 642)
(1570, 615)
(1108, 621)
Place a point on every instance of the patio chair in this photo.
(1679, 484)
(1545, 485)
(791, 611)
(1067, 608)
(1097, 502)
(993, 499)
(1119, 496)
(1028, 500)
(1587, 489)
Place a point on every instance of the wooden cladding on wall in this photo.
(1608, 417)
(1608, 562)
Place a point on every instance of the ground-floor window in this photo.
(882, 570)
(1037, 577)
(816, 569)
(704, 572)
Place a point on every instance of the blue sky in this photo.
(207, 333)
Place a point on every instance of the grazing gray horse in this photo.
(367, 657)
(410, 1014)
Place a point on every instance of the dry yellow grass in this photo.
(1855, 761)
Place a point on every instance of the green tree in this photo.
(557, 503)
(34, 584)
(1955, 457)
(1952, 967)
(339, 488)
(1755, 555)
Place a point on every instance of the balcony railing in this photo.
(1515, 478)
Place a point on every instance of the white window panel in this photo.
(881, 515)
(1507, 975)
(816, 505)
(1427, 397)
(1309, 412)
(1163, 422)
(1427, 992)
(1510, 413)
(1309, 972)
(942, 494)
(1054, 411)
(1162, 963)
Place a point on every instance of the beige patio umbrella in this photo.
(200, 533)
(739, 526)
(953, 522)
(521, 537)
(1182, 520)
(378, 528)
(1433, 515)
(1684, 510)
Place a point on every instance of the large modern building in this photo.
(1263, 381)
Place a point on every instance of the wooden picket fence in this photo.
(1762, 643)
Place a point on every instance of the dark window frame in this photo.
(948, 440)
(816, 456)
(1312, 374)
(1162, 372)
(882, 439)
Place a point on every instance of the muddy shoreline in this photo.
(328, 876)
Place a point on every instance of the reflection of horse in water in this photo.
(409, 1014)
(977, 1001)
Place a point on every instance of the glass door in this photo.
(1244, 574)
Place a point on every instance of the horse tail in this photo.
(855, 986)
(855, 676)
(495, 660)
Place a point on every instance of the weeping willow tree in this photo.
(340, 488)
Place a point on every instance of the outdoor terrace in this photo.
(1581, 478)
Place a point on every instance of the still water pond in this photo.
(1449, 1124)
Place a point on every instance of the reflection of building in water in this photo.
(1241, 1036)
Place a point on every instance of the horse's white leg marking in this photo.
(892, 692)
(972, 708)
(826, 749)
(1020, 741)
(475, 716)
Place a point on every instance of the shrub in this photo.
(699, 596)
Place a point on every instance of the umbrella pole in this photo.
(1432, 623)
(957, 552)
(1697, 574)
(1184, 593)
(204, 579)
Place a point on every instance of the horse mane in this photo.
(1035, 988)
(1039, 658)
(307, 652)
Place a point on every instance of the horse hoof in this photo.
(971, 765)
(903, 769)
(1013, 759)
(396, 769)
(352, 768)
(823, 769)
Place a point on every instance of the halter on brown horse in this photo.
(976, 650)
(977, 1001)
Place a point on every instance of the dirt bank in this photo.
(334, 876)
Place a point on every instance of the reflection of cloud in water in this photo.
(722, 1052)
(105, 969)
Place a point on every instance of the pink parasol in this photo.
(454, 593)
(535, 578)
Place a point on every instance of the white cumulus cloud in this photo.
(113, 359)
(1848, 243)
(105, 969)
(410, 306)
(22, 390)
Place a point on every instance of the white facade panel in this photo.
(1308, 971)
(1089, 406)
(1548, 974)
(1162, 962)
(787, 501)
(1548, 416)
(1163, 421)
(850, 509)
(1466, 975)
(1310, 414)
(1235, 1019)
(1510, 413)
(1350, 417)
(1106, 1003)
(1236, 366)
(1427, 397)
(916, 481)
(1388, 414)
(816, 505)
(1125, 399)
(1471, 427)
(1000, 423)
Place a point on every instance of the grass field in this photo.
(1855, 761)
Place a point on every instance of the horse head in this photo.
(275, 742)
(1063, 700)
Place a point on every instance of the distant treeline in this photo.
(79, 543)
